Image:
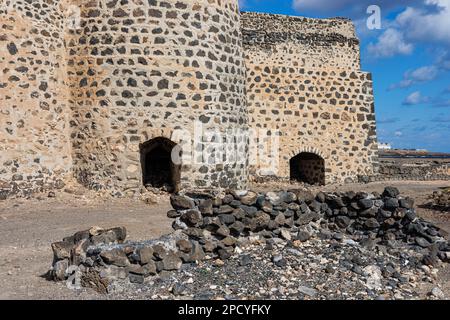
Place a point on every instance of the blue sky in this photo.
(409, 58)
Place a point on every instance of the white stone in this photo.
(438, 293)
(374, 277)
(286, 234)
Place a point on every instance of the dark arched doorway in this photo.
(158, 169)
(308, 167)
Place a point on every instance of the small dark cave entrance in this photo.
(158, 169)
(308, 167)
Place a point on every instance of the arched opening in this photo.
(308, 167)
(158, 169)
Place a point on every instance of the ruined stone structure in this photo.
(105, 91)
(305, 85)
(90, 98)
(35, 150)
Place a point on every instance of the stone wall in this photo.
(34, 115)
(140, 70)
(212, 227)
(91, 89)
(419, 169)
(304, 84)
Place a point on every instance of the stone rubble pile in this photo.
(214, 227)
(315, 269)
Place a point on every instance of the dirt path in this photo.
(28, 227)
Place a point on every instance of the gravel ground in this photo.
(313, 270)
(28, 227)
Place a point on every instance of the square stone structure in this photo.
(305, 86)
(104, 92)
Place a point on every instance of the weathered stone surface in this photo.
(197, 253)
(391, 192)
(61, 250)
(136, 278)
(236, 228)
(115, 257)
(285, 234)
(406, 203)
(273, 47)
(306, 218)
(303, 236)
(365, 203)
(145, 255)
(184, 245)
(249, 199)
(229, 241)
(249, 210)
(239, 214)
(225, 209)
(191, 217)
(59, 270)
(206, 207)
(209, 246)
(343, 222)
(195, 233)
(181, 202)
(422, 242)
(372, 223)
(391, 204)
(171, 262)
(172, 214)
(223, 231)
(117, 71)
(259, 222)
(280, 219)
(227, 219)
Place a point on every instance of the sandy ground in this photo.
(28, 227)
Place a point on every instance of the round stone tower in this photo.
(149, 80)
(34, 114)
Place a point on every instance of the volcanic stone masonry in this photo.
(209, 226)
(304, 82)
(104, 99)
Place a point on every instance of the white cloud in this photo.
(422, 25)
(420, 75)
(398, 133)
(390, 43)
(415, 98)
(443, 60)
(427, 21)
(423, 74)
